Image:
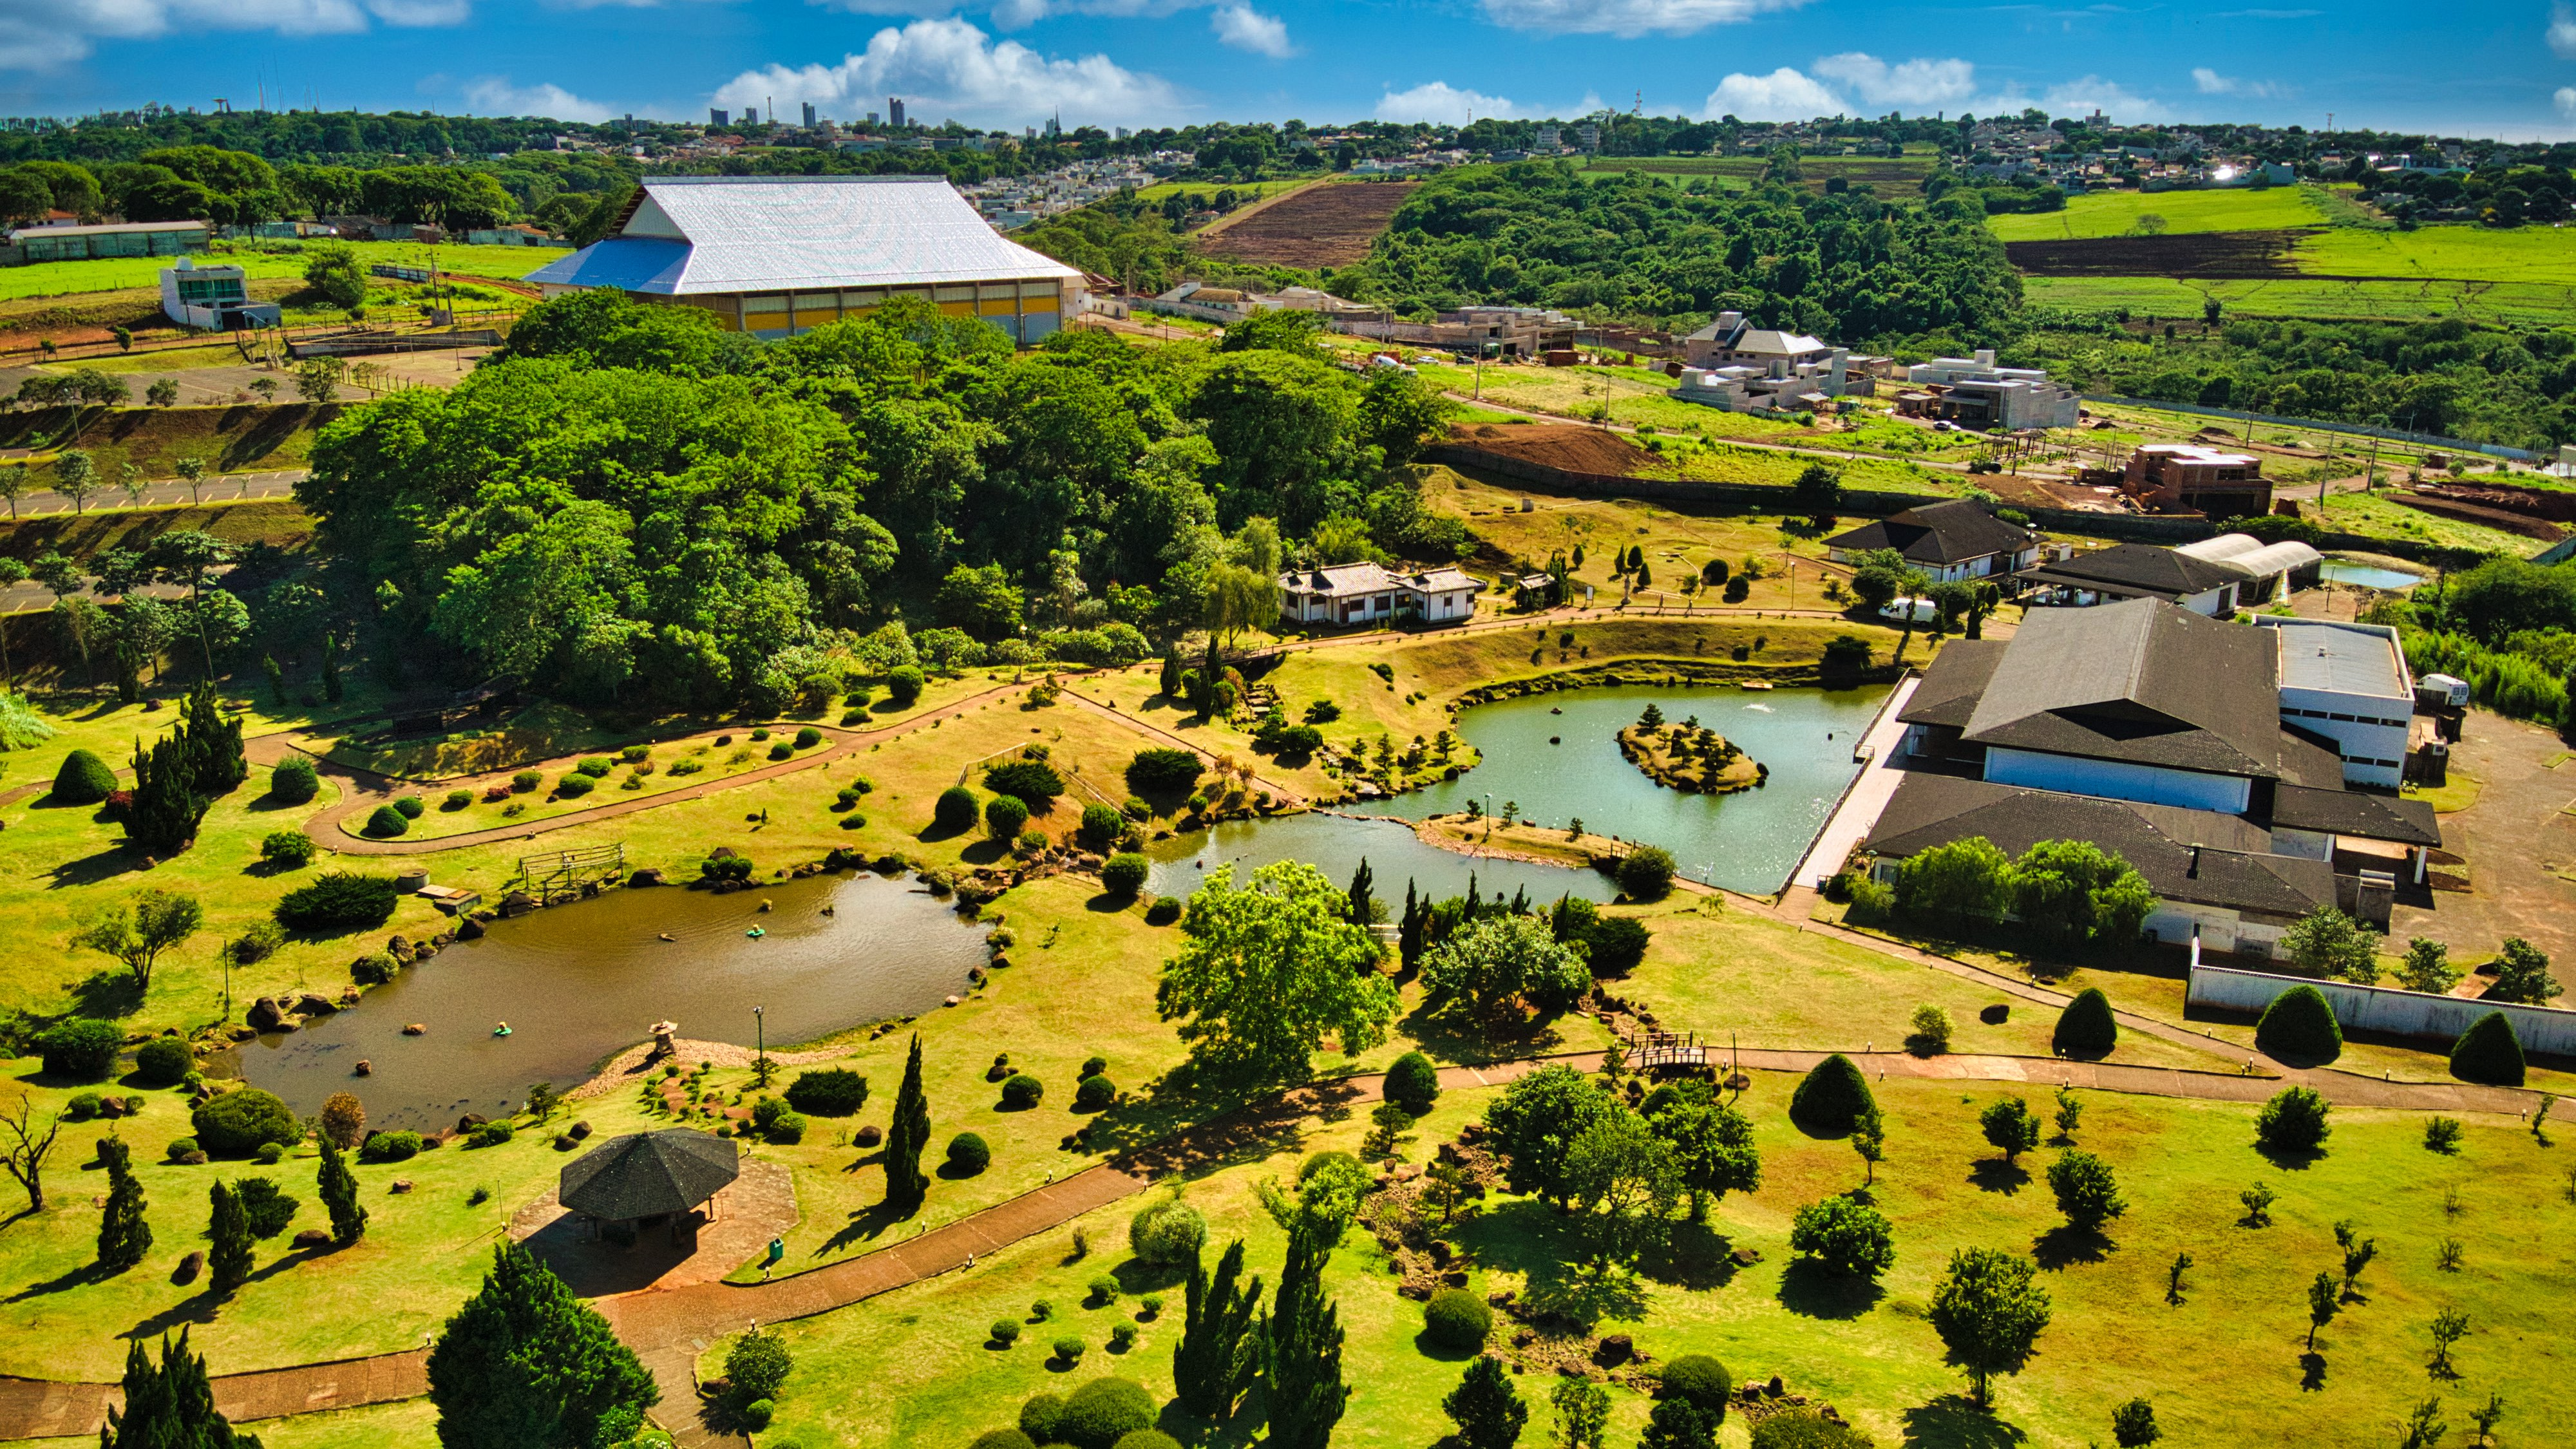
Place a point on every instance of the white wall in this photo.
(2385, 1008)
(2354, 739)
(2117, 780)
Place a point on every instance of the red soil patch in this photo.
(1576, 450)
(1322, 226)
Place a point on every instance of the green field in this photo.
(1254, 189)
(62, 279)
(2389, 301)
(2523, 256)
(1891, 175)
(2116, 213)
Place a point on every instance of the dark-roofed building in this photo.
(2169, 738)
(649, 1179)
(2137, 571)
(1947, 541)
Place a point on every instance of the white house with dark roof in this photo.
(1343, 595)
(775, 256)
(1956, 540)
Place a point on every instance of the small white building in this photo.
(1365, 593)
(1979, 393)
(2348, 683)
(216, 298)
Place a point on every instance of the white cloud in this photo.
(1784, 95)
(421, 14)
(38, 34)
(1244, 28)
(947, 67)
(2211, 83)
(1440, 103)
(1918, 82)
(2562, 31)
(494, 95)
(2566, 99)
(1628, 18)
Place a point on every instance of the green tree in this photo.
(1493, 965)
(2075, 893)
(75, 477)
(1301, 1336)
(1989, 1312)
(2326, 942)
(2427, 967)
(228, 1262)
(1534, 1124)
(2133, 1424)
(1818, 489)
(982, 601)
(1677, 1424)
(907, 1137)
(1959, 883)
(1269, 969)
(2086, 1191)
(1844, 1236)
(339, 1189)
(123, 1234)
(1712, 1148)
(169, 1407)
(526, 1365)
(2010, 1126)
(150, 922)
(2324, 1296)
(1486, 1408)
(1582, 1413)
(333, 269)
(1624, 1182)
(2522, 974)
(1219, 1356)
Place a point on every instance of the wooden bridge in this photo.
(566, 874)
(1666, 1052)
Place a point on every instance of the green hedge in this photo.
(1830, 1097)
(2299, 1027)
(2085, 1028)
(2488, 1052)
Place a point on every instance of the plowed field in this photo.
(1322, 226)
(2218, 254)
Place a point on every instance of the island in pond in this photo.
(1687, 757)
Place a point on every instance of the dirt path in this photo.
(2519, 839)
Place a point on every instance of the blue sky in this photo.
(2486, 69)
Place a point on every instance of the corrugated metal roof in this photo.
(780, 233)
(122, 228)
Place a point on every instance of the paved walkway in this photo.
(1868, 793)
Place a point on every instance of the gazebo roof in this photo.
(648, 1173)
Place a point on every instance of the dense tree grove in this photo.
(1538, 233)
(640, 507)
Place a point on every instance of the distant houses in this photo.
(1352, 594)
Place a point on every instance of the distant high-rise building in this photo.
(872, 118)
(751, 115)
(894, 112)
(719, 118)
(809, 115)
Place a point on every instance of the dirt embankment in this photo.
(1322, 226)
(1574, 450)
(228, 439)
(83, 536)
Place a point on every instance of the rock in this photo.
(366, 1068)
(470, 1121)
(1614, 1350)
(1407, 1173)
(111, 1106)
(1414, 1291)
(244, 1033)
(399, 947)
(443, 940)
(721, 852)
(867, 1137)
(1523, 1338)
(1746, 1257)
(192, 1159)
(1440, 1251)
(516, 904)
(951, 1001)
(1455, 1278)
(399, 1184)
(1001, 963)
(650, 875)
(350, 994)
(423, 952)
(312, 1238)
(1775, 1388)
(415, 1028)
(580, 1130)
(189, 1267)
(1472, 1133)
(470, 929)
(566, 1142)
(314, 1003)
(267, 1014)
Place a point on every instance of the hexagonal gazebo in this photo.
(647, 1179)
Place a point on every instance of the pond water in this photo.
(2367, 576)
(1747, 841)
(580, 982)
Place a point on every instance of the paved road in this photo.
(164, 492)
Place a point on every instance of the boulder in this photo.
(580, 1130)
(399, 947)
(415, 1028)
(649, 876)
(399, 1184)
(193, 1159)
(312, 1238)
(721, 852)
(867, 1137)
(470, 1121)
(517, 903)
(268, 1013)
(189, 1267)
(423, 952)
(365, 1068)
(1615, 1350)
(471, 929)
(314, 1003)
(244, 1033)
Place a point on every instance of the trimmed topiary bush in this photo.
(386, 821)
(1413, 1083)
(390, 1147)
(1124, 874)
(410, 806)
(2085, 1028)
(236, 1123)
(82, 1048)
(1701, 1382)
(831, 1092)
(295, 780)
(2299, 1027)
(1095, 1093)
(1456, 1318)
(1618, 944)
(1006, 1331)
(1143, 1438)
(575, 785)
(2488, 1052)
(1164, 771)
(968, 1154)
(1029, 780)
(956, 810)
(1005, 816)
(85, 779)
(1164, 911)
(1021, 1091)
(1038, 1417)
(1004, 1438)
(164, 1060)
(1805, 1429)
(490, 1134)
(1830, 1097)
(1646, 873)
(808, 737)
(338, 900)
(1104, 1411)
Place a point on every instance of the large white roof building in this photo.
(778, 255)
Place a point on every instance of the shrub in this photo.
(956, 809)
(2086, 1028)
(1122, 1337)
(757, 1413)
(236, 1123)
(1104, 1291)
(1021, 1092)
(2299, 1027)
(1830, 1097)
(1004, 817)
(831, 1092)
(1006, 1331)
(2487, 1052)
(968, 1154)
(294, 780)
(757, 1366)
(338, 900)
(2442, 1135)
(2293, 1121)
(1124, 874)
(162, 1061)
(82, 1106)
(373, 969)
(787, 1128)
(1167, 1233)
(268, 1209)
(781, 750)
(1806, 1429)
(490, 1134)
(808, 737)
(410, 806)
(258, 943)
(385, 821)
(82, 1048)
(1070, 1348)
(1618, 944)
(269, 1154)
(1028, 779)
(1844, 1236)
(903, 685)
(181, 1149)
(1701, 1382)
(1413, 1083)
(575, 785)
(1095, 1093)
(85, 779)
(390, 1147)
(1102, 824)
(1164, 771)
(526, 781)
(290, 848)
(457, 800)
(1163, 912)
(1039, 1416)
(1030, 841)
(1104, 1411)
(1931, 1030)
(1646, 873)
(1455, 1318)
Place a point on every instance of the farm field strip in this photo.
(2116, 213)
(1328, 225)
(60, 279)
(2392, 300)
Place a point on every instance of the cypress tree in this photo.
(1363, 894)
(1409, 936)
(228, 1265)
(330, 668)
(276, 678)
(1173, 669)
(526, 1365)
(1488, 1411)
(216, 764)
(2086, 1028)
(162, 820)
(123, 1236)
(906, 1136)
(1215, 1365)
(170, 1407)
(339, 1188)
(1302, 1345)
(2488, 1052)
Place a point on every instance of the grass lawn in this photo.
(2384, 517)
(2389, 301)
(915, 1367)
(2116, 213)
(164, 359)
(1677, 544)
(59, 279)
(1894, 177)
(2528, 255)
(233, 438)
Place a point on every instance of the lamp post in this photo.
(760, 1035)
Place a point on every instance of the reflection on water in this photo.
(579, 982)
(1337, 845)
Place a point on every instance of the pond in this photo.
(2368, 576)
(580, 982)
(1748, 841)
